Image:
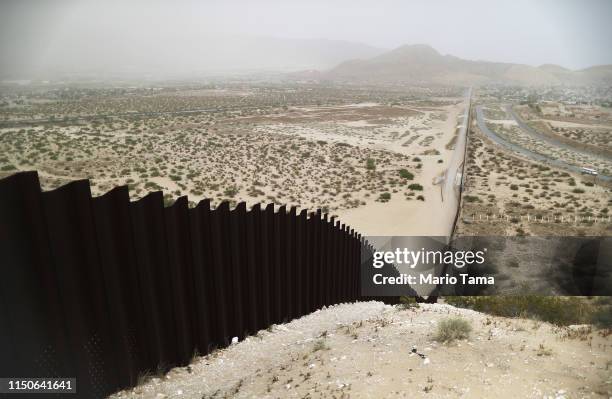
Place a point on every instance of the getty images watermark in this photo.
(486, 265)
(405, 257)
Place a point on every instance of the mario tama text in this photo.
(429, 278)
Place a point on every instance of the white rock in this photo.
(426, 361)
(234, 340)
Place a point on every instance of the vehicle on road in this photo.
(589, 171)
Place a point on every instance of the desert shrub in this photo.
(420, 198)
(405, 174)
(602, 317)
(231, 191)
(408, 302)
(471, 198)
(561, 311)
(385, 196)
(370, 164)
(578, 191)
(416, 187)
(513, 187)
(320, 345)
(453, 328)
(151, 185)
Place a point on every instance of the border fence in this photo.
(106, 290)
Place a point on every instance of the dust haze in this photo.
(49, 39)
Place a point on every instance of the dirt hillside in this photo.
(365, 350)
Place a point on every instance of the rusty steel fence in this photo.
(104, 289)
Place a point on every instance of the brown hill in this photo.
(420, 63)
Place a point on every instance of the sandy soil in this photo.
(506, 194)
(308, 156)
(364, 350)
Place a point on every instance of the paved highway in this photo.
(550, 140)
(525, 152)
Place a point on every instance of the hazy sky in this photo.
(48, 33)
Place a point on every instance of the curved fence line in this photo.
(104, 289)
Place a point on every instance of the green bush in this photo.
(602, 317)
(385, 196)
(416, 187)
(405, 174)
(453, 328)
(7, 168)
(561, 311)
(408, 302)
(231, 191)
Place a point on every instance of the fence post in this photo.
(280, 232)
(150, 245)
(33, 339)
(180, 265)
(239, 270)
(119, 267)
(224, 245)
(253, 270)
(74, 251)
(203, 276)
(290, 275)
(267, 259)
(221, 273)
(300, 265)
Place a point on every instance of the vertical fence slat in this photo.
(119, 267)
(308, 263)
(180, 270)
(267, 259)
(279, 301)
(32, 329)
(222, 266)
(299, 281)
(75, 256)
(319, 266)
(289, 267)
(253, 267)
(203, 275)
(149, 234)
(238, 262)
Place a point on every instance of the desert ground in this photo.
(508, 194)
(365, 350)
(369, 157)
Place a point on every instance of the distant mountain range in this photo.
(136, 56)
(415, 64)
(175, 56)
